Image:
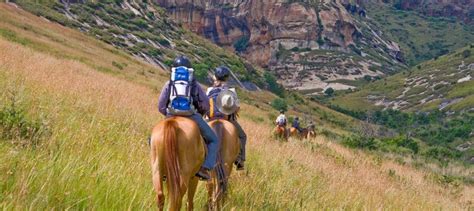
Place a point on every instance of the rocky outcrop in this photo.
(289, 37)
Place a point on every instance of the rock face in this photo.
(305, 43)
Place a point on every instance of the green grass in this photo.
(421, 38)
(443, 69)
(462, 90)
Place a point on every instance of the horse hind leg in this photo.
(211, 191)
(157, 175)
(193, 182)
(158, 183)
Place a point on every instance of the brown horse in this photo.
(311, 134)
(280, 132)
(305, 133)
(176, 156)
(228, 151)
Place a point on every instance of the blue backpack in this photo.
(181, 103)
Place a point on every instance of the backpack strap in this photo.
(169, 93)
(211, 108)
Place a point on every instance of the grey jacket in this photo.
(200, 100)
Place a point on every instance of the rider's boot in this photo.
(240, 165)
(203, 174)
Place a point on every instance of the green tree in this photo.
(466, 53)
(329, 92)
(279, 104)
(201, 71)
(273, 85)
(241, 44)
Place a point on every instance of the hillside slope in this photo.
(73, 137)
(144, 31)
(444, 84)
(436, 100)
(462, 10)
(204, 54)
(420, 37)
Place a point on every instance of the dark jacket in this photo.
(296, 124)
(200, 101)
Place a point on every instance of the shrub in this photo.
(466, 53)
(164, 42)
(320, 41)
(279, 104)
(394, 144)
(117, 65)
(201, 71)
(441, 154)
(360, 142)
(15, 125)
(241, 44)
(273, 85)
(329, 92)
(368, 78)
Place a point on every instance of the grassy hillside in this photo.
(144, 31)
(443, 83)
(73, 136)
(120, 27)
(436, 98)
(420, 37)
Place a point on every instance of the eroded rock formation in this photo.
(291, 38)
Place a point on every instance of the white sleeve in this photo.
(209, 90)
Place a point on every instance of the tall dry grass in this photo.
(95, 155)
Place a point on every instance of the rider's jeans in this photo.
(243, 140)
(211, 140)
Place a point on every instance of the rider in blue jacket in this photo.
(296, 124)
(201, 103)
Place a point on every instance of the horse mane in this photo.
(222, 179)
(171, 158)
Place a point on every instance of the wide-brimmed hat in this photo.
(227, 102)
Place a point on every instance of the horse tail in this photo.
(171, 159)
(218, 128)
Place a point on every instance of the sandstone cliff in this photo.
(308, 44)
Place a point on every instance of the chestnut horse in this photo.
(176, 156)
(280, 132)
(296, 134)
(229, 148)
(311, 134)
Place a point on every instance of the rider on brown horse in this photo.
(221, 75)
(170, 102)
(281, 119)
(296, 125)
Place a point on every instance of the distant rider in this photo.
(200, 106)
(311, 126)
(221, 76)
(296, 124)
(281, 119)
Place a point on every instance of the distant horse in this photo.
(176, 155)
(311, 134)
(228, 151)
(280, 132)
(305, 133)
